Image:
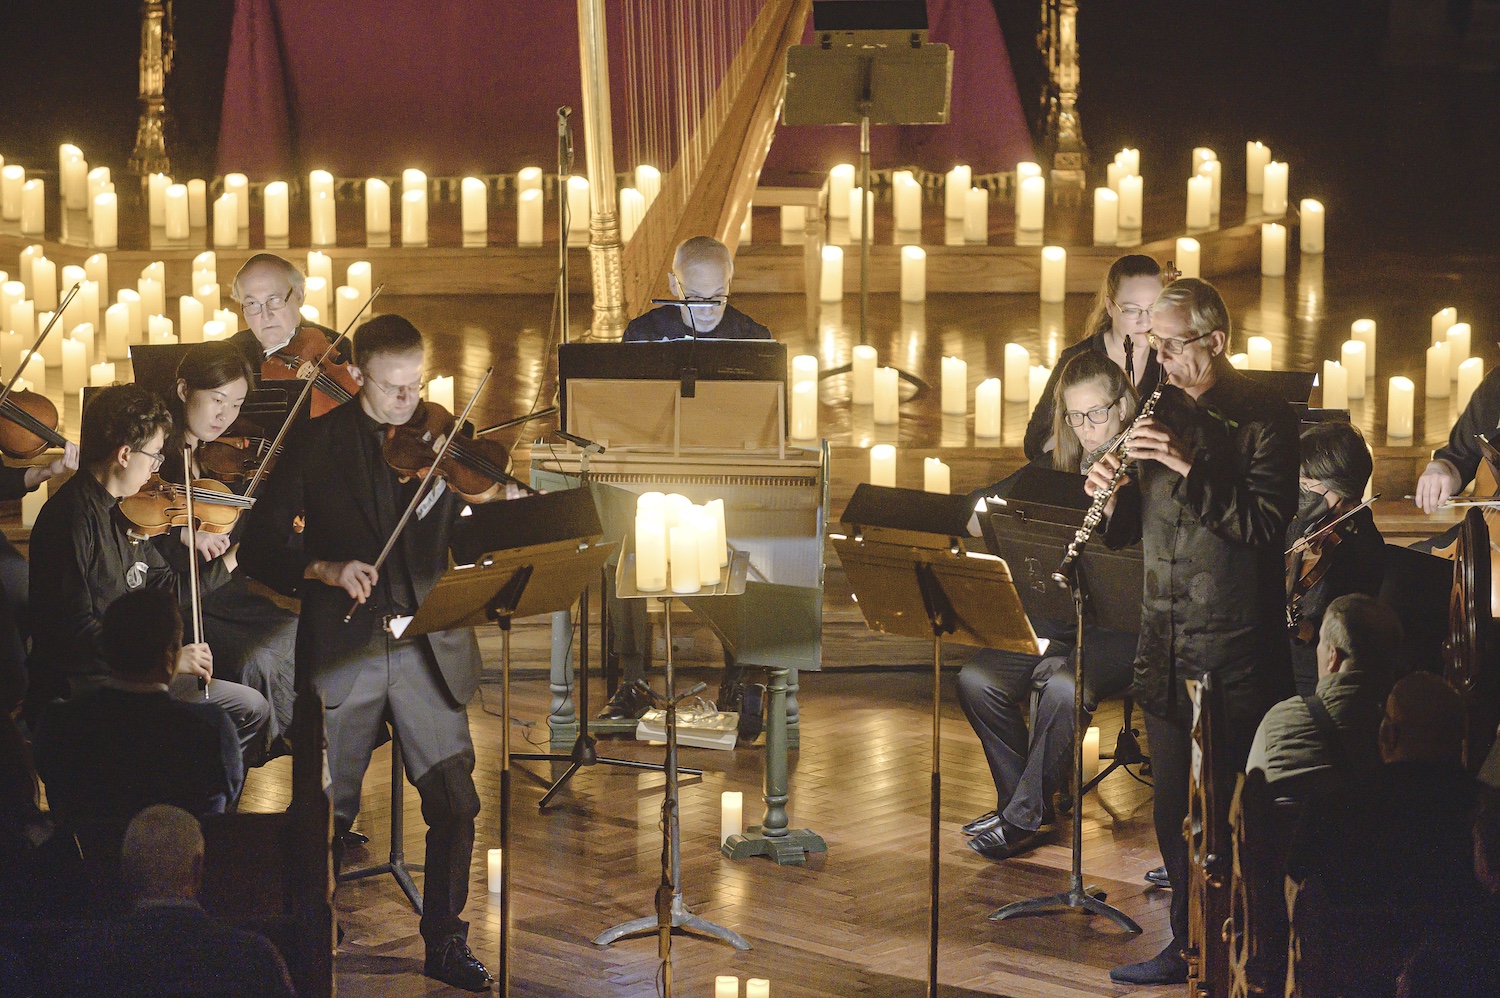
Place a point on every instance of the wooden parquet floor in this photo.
(851, 922)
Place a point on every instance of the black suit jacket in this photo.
(325, 476)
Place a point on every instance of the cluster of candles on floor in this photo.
(729, 987)
(678, 546)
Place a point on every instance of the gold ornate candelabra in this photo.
(150, 154)
(1062, 146)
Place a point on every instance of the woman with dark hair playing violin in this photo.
(253, 639)
(1334, 558)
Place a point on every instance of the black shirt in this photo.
(665, 323)
(1480, 416)
(1040, 426)
(394, 591)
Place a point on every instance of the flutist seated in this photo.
(1094, 402)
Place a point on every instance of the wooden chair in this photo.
(1207, 831)
(1468, 655)
(1258, 930)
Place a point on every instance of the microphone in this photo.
(565, 139)
(582, 443)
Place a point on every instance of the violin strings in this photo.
(30, 423)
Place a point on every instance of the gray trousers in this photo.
(400, 685)
(254, 642)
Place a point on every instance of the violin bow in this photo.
(192, 529)
(1303, 543)
(307, 388)
(416, 498)
(21, 366)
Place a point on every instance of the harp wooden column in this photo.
(604, 219)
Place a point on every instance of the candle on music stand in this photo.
(1437, 371)
(883, 465)
(987, 409)
(1354, 358)
(682, 543)
(731, 814)
(840, 183)
(701, 519)
(936, 476)
(1402, 399)
(1470, 373)
(956, 192)
(1458, 347)
(650, 549)
(887, 397)
(494, 860)
(831, 288)
(1335, 385)
(955, 387)
(1106, 217)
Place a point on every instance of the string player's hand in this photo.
(354, 577)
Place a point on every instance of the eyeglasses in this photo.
(398, 391)
(1132, 312)
(156, 457)
(1098, 416)
(275, 303)
(1171, 346)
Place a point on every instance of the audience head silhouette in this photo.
(142, 636)
(1359, 633)
(1424, 722)
(161, 858)
(1487, 839)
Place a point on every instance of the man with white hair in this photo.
(167, 944)
(270, 292)
(702, 270)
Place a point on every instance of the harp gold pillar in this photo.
(604, 219)
(1064, 148)
(150, 153)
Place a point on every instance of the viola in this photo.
(478, 470)
(333, 384)
(28, 426)
(1307, 562)
(161, 506)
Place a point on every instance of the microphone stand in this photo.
(564, 170)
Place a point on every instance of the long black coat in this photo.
(1214, 596)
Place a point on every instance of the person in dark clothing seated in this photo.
(109, 753)
(1095, 402)
(41, 873)
(167, 944)
(1336, 467)
(702, 270)
(15, 591)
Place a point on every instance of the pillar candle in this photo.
(1031, 209)
(358, 276)
(647, 181)
(156, 270)
(1437, 371)
(12, 179)
(862, 371)
(683, 551)
(757, 987)
(805, 410)
(414, 218)
(28, 256)
(887, 397)
(1354, 359)
(105, 226)
(347, 301)
(44, 284)
(907, 194)
(214, 329)
(175, 211)
(1090, 754)
(632, 210)
(840, 183)
(1273, 196)
(324, 219)
(715, 508)
(1113, 173)
(578, 204)
(311, 313)
(856, 213)
(1312, 226)
(977, 215)
(956, 192)
(1470, 373)
(1036, 383)
(33, 208)
(702, 521)
(1016, 378)
(159, 330)
(1272, 250)
(1260, 352)
(1441, 320)
(117, 331)
(804, 368)
(11, 348)
(226, 220)
(831, 289)
(315, 294)
(1256, 158)
(987, 408)
(1054, 276)
(320, 265)
(1106, 217)
(197, 204)
(650, 551)
(74, 364)
(1335, 385)
(207, 260)
(1364, 331)
(1239, 361)
(936, 476)
(153, 298)
(439, 389)
(35, 371)
(1198, 191)
(955, 390)
(529, 218)
(238, 185)
(156, 203)
(276, 208)
(190, 312)
(495, 870)
(10, 293)
(1214, 171)
(1189, 256)
(377, 207)
(883, 465)
(102, 373)
(1398, 416)
(73, 314)
(1201, 155)
(226, 316)
(83, 334)
(475, 208)
(731, 814)
(1024, 171)
(1130, 201)
(1458, 347)
(23, 321)
(529, 178)
(1129, 160)
(913, 274)
(726, 987)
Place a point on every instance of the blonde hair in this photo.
(1125, 267)
(1090, 365)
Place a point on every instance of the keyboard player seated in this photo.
(1094, 402)
(702, 270)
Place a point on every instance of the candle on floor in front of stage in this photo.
(955, 387)
(1090, 754)
(1355, 361)
(439, 389)
(757, 987)
(1335, 385)
(276, 209)
(159, 330)
(977, 215)
(987, 409)
(804, 368)
(529, 178)
(1199, 190)
(105, 226)
(647, 181)
(682, 543)
(1458, 347)
(1272, 250)
(117, 332)
(102, 373)
(913, 274)
(74, 364)
(1364, 331)
(578, 204)
(475, 207)
(197, 204)
(1036, 384)
(1017, 373)
(226, 228)
(529, 218)
(358, 275)
(726, 987)
(831, 288)
(1260, 352)
(1399, 408)
(1437, 371)
(840, 183)
(346, 305)
(936, 476)
(907, 195)
(1106, 217)
(1054, 276)
(1274, 188)
(1256, 158)
(414, 217)
(1441, 320)
(1214, 171)
(494, 869)
(1311, 217)
(190, 313)
(1470, 373)
(805, 410)
(377, 207)
(862, 375)
(956, 192)
(887, 397)
(1131, 192)
(1189, 261)
(239, 185)
(1031, 210)
(883, 465)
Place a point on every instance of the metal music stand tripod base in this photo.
(396, 865)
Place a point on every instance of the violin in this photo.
(232, 460)
(1307, 562)
(333, 383)
(478, 470)
(28, 425)
(161, 506)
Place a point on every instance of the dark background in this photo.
(1402, 153)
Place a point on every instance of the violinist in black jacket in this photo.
(1215, 488)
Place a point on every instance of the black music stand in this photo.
(528, 557)
(906, 558)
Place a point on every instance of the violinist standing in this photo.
(270, 292)
(333, 472)
(1349, 558)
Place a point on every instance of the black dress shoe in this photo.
(1004, 841)
(630, 702)
(453, 963)
(351, 838)
(983, 823)
(1158, 878)
(1166, 967)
